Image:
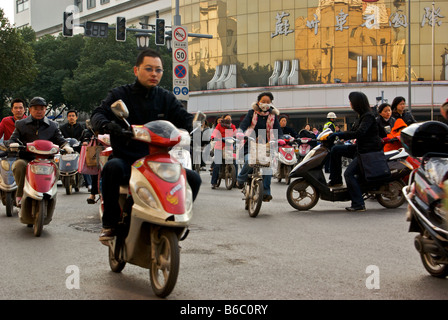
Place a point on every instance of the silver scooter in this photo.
(8, 185)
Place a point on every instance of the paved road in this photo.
(325, 253)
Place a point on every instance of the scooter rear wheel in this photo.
(301, 195)
(391, 195)
(164, 267)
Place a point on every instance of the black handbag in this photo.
(374, 165)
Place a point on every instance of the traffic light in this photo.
(160, 32)
(96, 29)
(120, 29)
(67, 24)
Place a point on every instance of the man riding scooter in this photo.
(146, 102)
(36, 127)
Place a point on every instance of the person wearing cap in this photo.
(331, 116)
(8, 124)
(35, 127)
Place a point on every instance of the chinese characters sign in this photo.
(371, 20)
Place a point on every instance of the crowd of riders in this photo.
(374, 129)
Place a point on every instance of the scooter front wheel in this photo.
(255, 197)
(40, 211)
(230, 178)
(165, 261)
(9, 203)
(436, 269)
(301, 195)
(116, 265)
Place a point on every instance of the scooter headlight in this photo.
(69, 156)
(146, 196)
(5, 165)
(170, 172)
(141, 134)
(44, 170)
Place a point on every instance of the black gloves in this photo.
(113, 128)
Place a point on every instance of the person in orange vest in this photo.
(392, 141)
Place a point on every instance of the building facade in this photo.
(312, 53)
(309, 53)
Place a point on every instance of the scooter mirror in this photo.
(120, 110)
(89, 124)
(199, 116)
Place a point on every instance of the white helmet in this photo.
(331, 115)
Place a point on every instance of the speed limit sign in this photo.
(180, 55)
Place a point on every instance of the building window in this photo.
(22, 5)
(78, 3)
(91, 4)
(104, 1)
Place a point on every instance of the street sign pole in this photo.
(180, 62)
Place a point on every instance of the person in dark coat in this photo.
(283, 120)
(261, 122)
(367, 140)
(146, 102)
(72, 129)
(35, 127)
(398, 111)
(384, 120)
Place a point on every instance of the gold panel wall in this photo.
(326, 36)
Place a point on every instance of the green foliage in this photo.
(17, 67)
(77, 71)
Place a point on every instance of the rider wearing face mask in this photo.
(224, 129)
(261, 121)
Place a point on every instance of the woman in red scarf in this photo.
(261, 121)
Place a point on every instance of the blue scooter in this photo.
(8, 185)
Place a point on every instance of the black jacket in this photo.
(365, 133)
(382, 124)
(75, 131)
(144, 105)
(290, 131)
(407, 117)
(29, 130)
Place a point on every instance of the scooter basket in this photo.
(259, 155)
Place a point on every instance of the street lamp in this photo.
(143, 40)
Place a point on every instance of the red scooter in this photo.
(157, 207)
(286, 158)
(40, 188)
